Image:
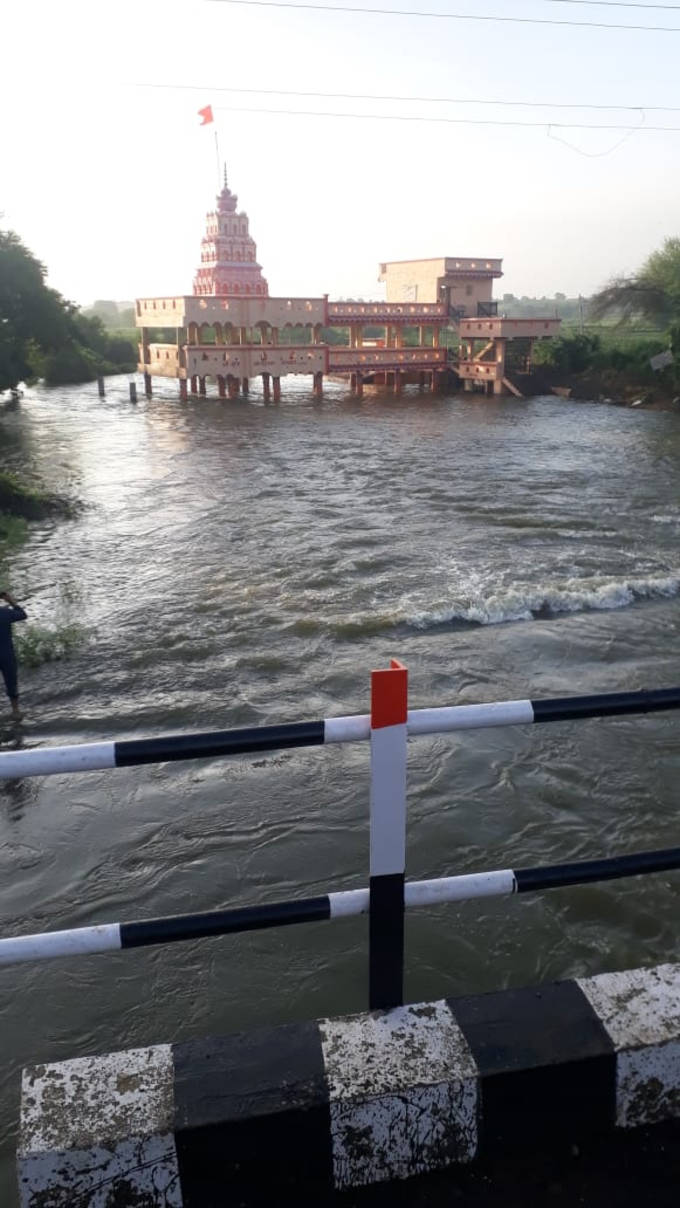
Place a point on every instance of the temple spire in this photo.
(228, 253)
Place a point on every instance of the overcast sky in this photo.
(109, 181)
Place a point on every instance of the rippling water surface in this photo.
(236, 564)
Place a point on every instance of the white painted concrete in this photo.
(145, 1168)
(91, 1100)
(403, 1093)
(94, 1124)
(640, 1010)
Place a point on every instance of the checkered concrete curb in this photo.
(346, 1102)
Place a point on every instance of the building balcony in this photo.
(372, 360)
(469, 266)
(480, 371)
(413, 313)
(249, 360)
(162, 360)
(508, 329)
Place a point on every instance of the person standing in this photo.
(8, 658)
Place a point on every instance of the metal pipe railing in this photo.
(387, 727)
(97, 756)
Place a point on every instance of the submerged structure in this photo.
(439, 323)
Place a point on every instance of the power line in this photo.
(453, 121)
(615, 4)
(400, 12)
(435, 100)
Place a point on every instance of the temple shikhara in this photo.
(228, 253)
(438, 325)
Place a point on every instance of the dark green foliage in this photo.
(653, 293)
(628, 356)
(43, 335)
(568, 353)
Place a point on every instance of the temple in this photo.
(228, 253)
(438, 325)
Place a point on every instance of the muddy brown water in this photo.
(236, 564)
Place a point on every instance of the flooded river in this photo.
(239, 565)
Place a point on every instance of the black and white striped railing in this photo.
(387, 727)
(107, 937)
(98, 756)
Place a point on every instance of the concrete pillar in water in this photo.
(232, 386)
(421, 382)
(360, 385)
(265, 387)
(499, 356)
(183, 392)
(352, 383)
(147, 385)
(245, 385)
(318, 384)
(194, 384)
(435, 382)
(221, 386)
(133, 392)
(397, 381)
(100, 386)
(277, 389)
(201, 386)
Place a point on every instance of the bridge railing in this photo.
(387, 727)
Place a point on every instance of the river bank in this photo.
(609, 386)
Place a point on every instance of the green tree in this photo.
(43, 335)
(31, 315)
(652, 293)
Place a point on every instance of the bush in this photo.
(71, 363)
(35, 644)
(569, 353)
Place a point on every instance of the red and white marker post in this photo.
(389, 707)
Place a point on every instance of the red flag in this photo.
(206, 114)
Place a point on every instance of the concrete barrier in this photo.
(314, 1108)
